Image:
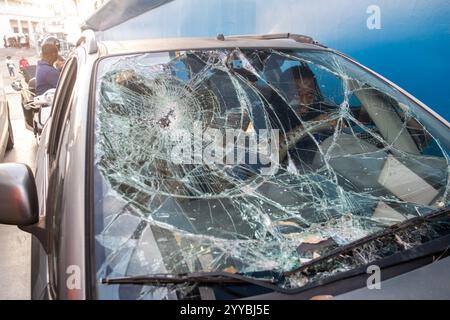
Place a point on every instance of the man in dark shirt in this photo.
(305, 104)
(46, 75)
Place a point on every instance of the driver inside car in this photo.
(298, 146)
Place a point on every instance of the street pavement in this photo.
(15, 245)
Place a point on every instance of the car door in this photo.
(49, 177)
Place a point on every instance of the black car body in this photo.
(359, 171)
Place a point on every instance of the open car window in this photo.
(231, 159)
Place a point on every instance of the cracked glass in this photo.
(342, 155)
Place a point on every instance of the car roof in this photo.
(170, 44)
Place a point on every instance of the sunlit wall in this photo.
(408, 41)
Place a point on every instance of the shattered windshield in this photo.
(236, 159)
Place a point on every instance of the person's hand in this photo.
(59, 64)
(326, 117)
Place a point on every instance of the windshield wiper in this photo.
(434, 216)
(225, 278)
(199, 278)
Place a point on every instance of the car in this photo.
(6, 131)
(257, 167)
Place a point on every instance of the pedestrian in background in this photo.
(11, 67)
(27, 41)
(23, 64)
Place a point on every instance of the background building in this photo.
(65, 21)
(37, 18)
(23, 17)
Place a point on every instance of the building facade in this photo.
(23, 17)
(86, 8)
(37, 18)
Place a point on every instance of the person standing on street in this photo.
(23, 64)
(46, 75)
(27, 41)
(11, 67)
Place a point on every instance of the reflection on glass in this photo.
(352, 157)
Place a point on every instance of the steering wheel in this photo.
(298, 134)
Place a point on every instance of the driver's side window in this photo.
(61, 100)
(58, 157)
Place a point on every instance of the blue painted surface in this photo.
(412, 47)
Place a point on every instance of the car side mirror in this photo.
(18, 196)
(46, 98)
(45, 101)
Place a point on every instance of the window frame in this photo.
(63, 96)
(60, 110)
